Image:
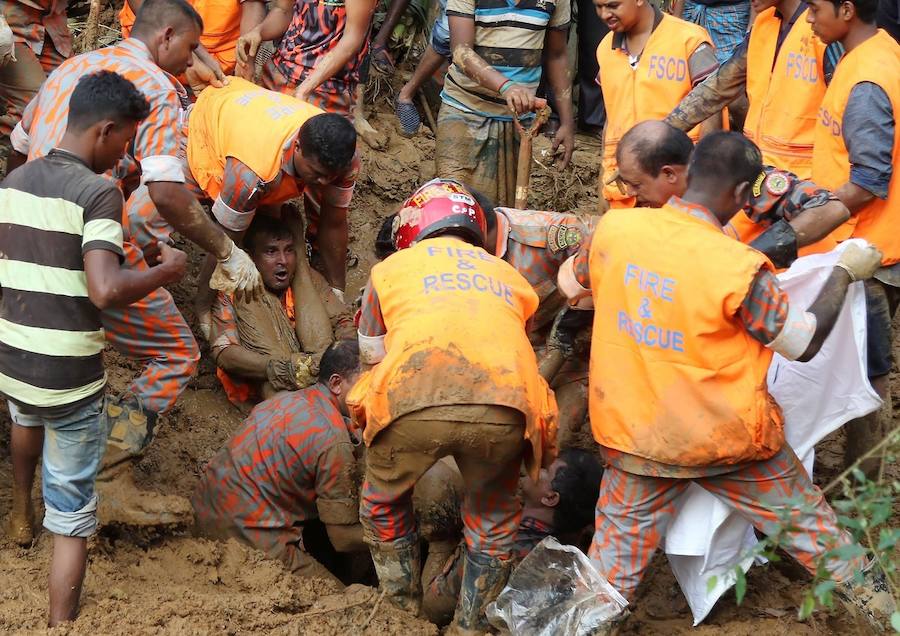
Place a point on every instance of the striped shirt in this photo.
(156, 152)
(508, 36)
(52, 211)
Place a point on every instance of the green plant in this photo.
(864, 509)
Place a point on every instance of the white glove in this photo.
(860, 262)
(339, 293)
(7, 43)
(237, 274)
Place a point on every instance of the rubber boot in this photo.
(20, 523)
(865, 432)
(483, 579)
(871, 599)
(121, 502)
(399, 568)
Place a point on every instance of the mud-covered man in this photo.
(254, 344)
(443, 323)
(249, 147)
(560, 504)
(292, 461)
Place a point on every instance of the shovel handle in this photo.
(523, 167)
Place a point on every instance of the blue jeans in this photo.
(73, 447)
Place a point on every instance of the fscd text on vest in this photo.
(651, 286)
(467, 278)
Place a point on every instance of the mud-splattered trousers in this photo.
(487, 443)
(634, 511)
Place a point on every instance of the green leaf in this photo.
(806, 610)
(823, 592)
(711, 583)
(888, 538)
(895, 621)
(740, 586)
(849, 552)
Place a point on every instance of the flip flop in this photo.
(409, 118)
(382, 60)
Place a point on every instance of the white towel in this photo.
(707, 538)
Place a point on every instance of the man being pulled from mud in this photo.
(681, 345)
(250, 147)
(561, 503)
(443, 323)
(254, 344)
(786, 215)
(292, 461)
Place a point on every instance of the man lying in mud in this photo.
(292, 461)
(255, 343)
(561, 504)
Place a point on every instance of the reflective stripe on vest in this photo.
(658, 84)
(878, 221)
(675, 376)
(244, 121)
(784, 92)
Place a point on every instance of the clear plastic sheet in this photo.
(555, 591)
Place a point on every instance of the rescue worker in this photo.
(430, 315)
(679, 357)
(152, 329)
(255, 345)
(248, 146)
(788, 215)
(648, 62)
(291, 462)
(223, 24)
(784, 71)
(561, 503)
(42, 41)
(536, 243)
(856, 154)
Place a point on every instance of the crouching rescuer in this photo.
(680, 351)
(443, 321)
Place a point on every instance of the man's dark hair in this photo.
(655, 145)
(331, 139)
(486, 205)
(264, 227)
(384, 242)
(155, 14)
(341, 357)
(724, 160)
(105, 95)
(578, 485)
(866, 10)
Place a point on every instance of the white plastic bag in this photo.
(555, 591)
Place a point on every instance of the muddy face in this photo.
(276, 260)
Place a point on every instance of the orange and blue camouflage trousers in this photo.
(151, 330)
(634, 511)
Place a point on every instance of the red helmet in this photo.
(438, 205)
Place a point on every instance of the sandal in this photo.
(409, 118)
(382, 60)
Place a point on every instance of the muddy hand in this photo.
(247, 46)
(173, 261)
(565, 137)
(521, 99)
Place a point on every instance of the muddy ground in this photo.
(180, 584)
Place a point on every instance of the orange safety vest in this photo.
(455, 318)
(876, 60)
(658, 84)
(675, 376)
(249, 123)
(784, 92)
(221, 28)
